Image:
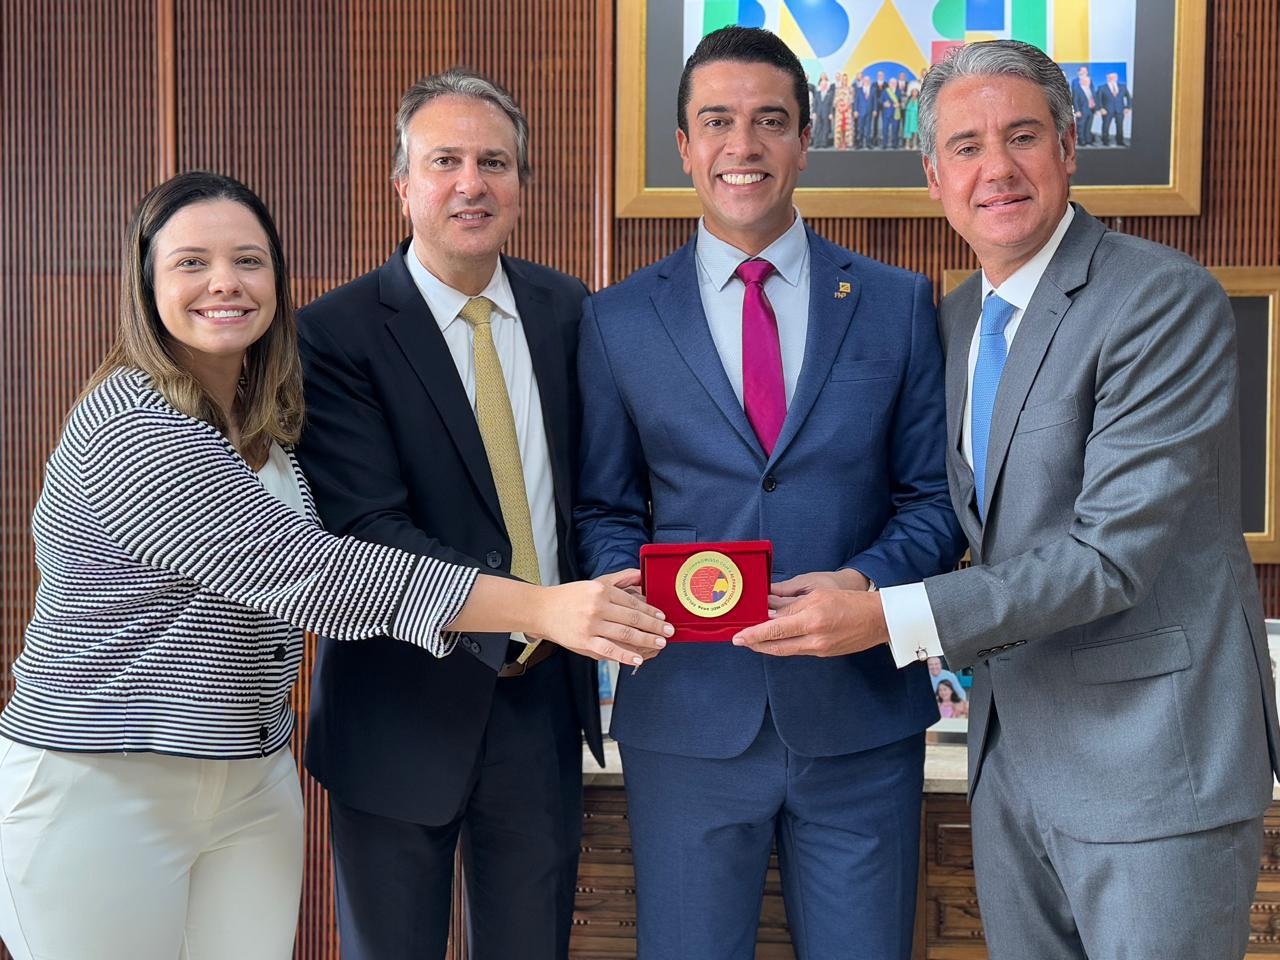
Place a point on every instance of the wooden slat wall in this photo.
(104, 97)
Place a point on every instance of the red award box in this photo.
(709, 591)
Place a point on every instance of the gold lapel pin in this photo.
(843, 290)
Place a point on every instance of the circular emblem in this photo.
(709, 584)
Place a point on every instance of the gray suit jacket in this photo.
(1111, 613)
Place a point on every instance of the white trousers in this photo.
(148, 857)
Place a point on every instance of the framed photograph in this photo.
(1255, 300)
(951, 689)
(1140, 105)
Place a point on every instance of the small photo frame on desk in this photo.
(951, 689)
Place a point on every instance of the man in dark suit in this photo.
(1085, 105)
(823, 98)
(1122, 720)
(877, 103)
(442, 419)
(1114, 103)
(763, 383)
(864, 95)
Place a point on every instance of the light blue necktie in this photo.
(996, 314)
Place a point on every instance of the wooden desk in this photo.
(948, 923)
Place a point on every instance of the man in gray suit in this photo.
(1122, 724)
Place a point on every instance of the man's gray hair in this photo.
(458, 82)
(993, 58)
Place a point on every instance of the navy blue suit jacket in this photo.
(857, 478)
(1117, 103)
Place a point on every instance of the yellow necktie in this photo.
(498, 431)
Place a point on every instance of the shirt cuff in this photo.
(909, 618)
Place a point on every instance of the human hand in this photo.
(844, 579)
(820, 623)
(602, 619)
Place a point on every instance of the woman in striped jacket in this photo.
(148, 806)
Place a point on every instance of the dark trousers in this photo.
(1116, 117)
(892, 125)
(519, 828)
(1084, 128)
(821, 130)
(865, 126)
(847, 830)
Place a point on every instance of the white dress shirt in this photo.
(787, 289)
(906, 608)
(509, 340)
(277, 476)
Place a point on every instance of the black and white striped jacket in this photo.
(173, 586)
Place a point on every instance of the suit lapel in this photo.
(829, 320)
(419, 337)
(678, 302)
(1067, 272)
(547, 352)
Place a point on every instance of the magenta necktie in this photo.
(763, 394)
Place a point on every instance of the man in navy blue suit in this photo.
(1114, 103)
(1085, 105)
(762, 382)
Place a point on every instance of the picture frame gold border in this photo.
(1180, 196)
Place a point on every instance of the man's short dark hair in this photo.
(744, 45)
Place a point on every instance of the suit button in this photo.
(494, 559)
(278, 653)
(983, 653)
(1020, 643)
(470, 644)
(262, 732)
(770, 483)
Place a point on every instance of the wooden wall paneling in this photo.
(392, 44)
(602, 150)
(261, 96)
(546, 55)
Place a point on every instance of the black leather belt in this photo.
(512, 668)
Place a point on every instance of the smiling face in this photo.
(213, 278)
(744, 150)
(1001, 171)
(462, 192)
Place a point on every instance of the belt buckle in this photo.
(511, 670)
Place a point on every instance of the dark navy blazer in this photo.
(857, 479)
(395, 457)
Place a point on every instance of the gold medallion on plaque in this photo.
(709, 584)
